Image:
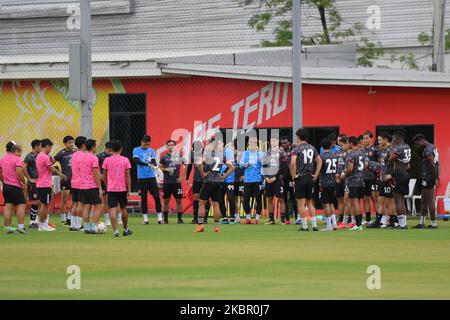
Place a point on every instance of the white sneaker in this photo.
(356, 228)
(383, 226)
(46, 229)
(364, 223)
(327, 229)
(298, 221)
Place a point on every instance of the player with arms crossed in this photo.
(328, 184)
(430, 175)
(370, 181)
(210, 167)
(273, 175)
(116, 170)
(305, 168)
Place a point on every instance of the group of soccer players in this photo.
(350, 174)
(95, 183)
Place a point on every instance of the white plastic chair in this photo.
(409, 196)
(446, 195)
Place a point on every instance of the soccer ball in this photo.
(101, 228)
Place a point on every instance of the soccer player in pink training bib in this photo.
(45, 169)
(118, 185)
(12, 175)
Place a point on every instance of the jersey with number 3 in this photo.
(355, 178)
(306, 155)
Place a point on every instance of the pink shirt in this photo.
(76, 169)
(88, 163)
(9, 163)
(43, 163)
(116, 167)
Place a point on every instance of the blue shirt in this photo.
(335, 149)
(229, 156)
(146, 156)
(253, 172)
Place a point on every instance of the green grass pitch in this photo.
(241, 262)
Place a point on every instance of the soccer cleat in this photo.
(342, 225)
(301, 229)
(373, 225)
(144, 222)
(288, 222)
(180, 221)
(350, 225)
(247, 221)
(51, 225)
(67, 222)
(356, 228)
(327, 229)
(298, 221)
(315, 229)
(231, 221)
(269, 222)
(88, 232)
(216, 229)
(161, 222)
(166, 221)
(403, 228)
(365, 223)
(33, 225)
(194, 221)
(22, 231)
(10, 231)
(254, 221)
(225, 221)
(200, 228)
(432, 227)
(116, 234)
(419, 226)
(127, 233)
(46, 229)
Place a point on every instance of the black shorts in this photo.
(174, 189)
(355, 192)
(428, 184)
(238, 188)
(90, 196)
(386, 190)
(327, 195)
(65, 184)
(76, 195)
(148, 185)
(401, 178)
(117, 198)
(340, 190)
(13, 195)
(45, 195)
(275, 188)
(197, 187)
(211, 190)
(370, 186)
(304, 187)
(32, 192)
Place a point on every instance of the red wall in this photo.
(178, 102)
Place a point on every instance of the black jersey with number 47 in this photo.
(306, 155)
(329, 169)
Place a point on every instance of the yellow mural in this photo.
(41, 109)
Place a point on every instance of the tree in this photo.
(279, 11)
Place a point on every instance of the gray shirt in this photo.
(329, 169)
(30, 160)
(306, 155)
(355, 178)
(212, 165)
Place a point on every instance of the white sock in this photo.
(248, 217)
(313, 222)
(304, 223)
(401, 220)
(63, 217)
(20, 226)
(299, 218)
(48, 218)
(423, 219)
(345, 220)
(236, 216)
(160, 216)
(333, 220)
(72, 222)
(353, 220)
(119, 217)
(258, 217)
(145, 215)
(69, 215)
(106, 215)
(79, 222)
(385, 219)
(328, 220)
(434, 223)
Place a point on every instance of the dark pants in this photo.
(228, 190)
(289, 193)
(253, 190)
(146, 186)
